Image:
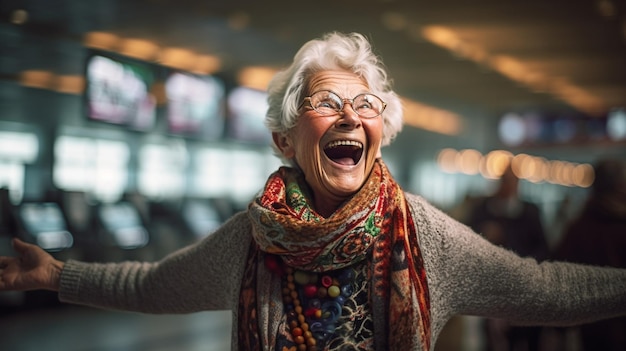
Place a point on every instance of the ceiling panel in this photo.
(561, 39)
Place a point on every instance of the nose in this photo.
(348, 118)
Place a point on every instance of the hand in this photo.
(33, 269)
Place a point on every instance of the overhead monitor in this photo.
(119, 91)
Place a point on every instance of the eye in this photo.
(327, 101)
(364, 105)
(363, 102)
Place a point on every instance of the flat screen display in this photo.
(246, 115)
(123, 222)
(45, 223)
(195, 105)
(118, 91)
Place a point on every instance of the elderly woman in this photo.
(332, 254)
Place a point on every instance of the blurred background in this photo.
(130, 128)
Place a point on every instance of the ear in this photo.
(283, 143)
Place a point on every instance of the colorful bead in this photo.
(327, 281)
(334, 291)
(310, 290)
(312, 319)
(301, 277)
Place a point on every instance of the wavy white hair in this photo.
(334, 51)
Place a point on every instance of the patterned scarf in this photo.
(376, 221)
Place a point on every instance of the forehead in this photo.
(341, 82)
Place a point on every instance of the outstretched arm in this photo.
(32, 269)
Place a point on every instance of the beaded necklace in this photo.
(313, 302)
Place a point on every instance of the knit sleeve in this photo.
(468, 275)
(203, 276)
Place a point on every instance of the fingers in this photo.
(20, 246)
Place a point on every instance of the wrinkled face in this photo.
(336, 153)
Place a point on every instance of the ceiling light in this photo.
(19, 17)
(256, 77)
(101, 40)
(239, 20)
(394, 21)
(36, 79)
(139, 48)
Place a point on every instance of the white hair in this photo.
(334, 51)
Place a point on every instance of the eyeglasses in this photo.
(327, 103)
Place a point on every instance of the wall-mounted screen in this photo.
(118, 91)
(123, 222)
(246, 115)
(195, 105)
(45, 224)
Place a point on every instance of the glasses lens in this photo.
(326, 102)
(368, 105)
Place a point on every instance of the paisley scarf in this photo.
(374, 224)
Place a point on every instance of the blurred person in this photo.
(333, 254)
(508, 221)
(597, 236)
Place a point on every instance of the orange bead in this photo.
(298, 309)
(305, 327)
(311, 341)
(301, 318)
(298, 339)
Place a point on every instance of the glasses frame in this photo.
(343, 104)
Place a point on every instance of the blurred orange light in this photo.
(19, 17)
(239, 20)
(441, 36)
(101, 40)
(446, 160)
(469, 161)
(496, 162)
(256, 77)
(36, 79)
(139, 48)
(394, 21)
(583, 175)
(431, 118)
(206, 64)
(73, 84)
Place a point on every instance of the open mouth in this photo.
(344, 152)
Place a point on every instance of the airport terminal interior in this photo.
(132, 128)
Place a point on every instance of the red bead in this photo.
(310, 312)
(327, 281)
(310, 290)
(296, 332)
(271, 262)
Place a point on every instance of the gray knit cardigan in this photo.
(466, 276)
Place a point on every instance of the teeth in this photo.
(344, 143)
